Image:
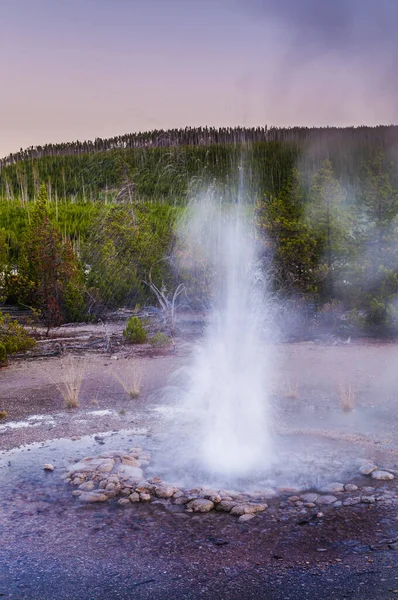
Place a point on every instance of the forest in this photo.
(83, 225)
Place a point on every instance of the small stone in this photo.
(133, 473)
(145, 497)
(310, 497)
(368, 499)
(165, 491)
(134, 497)
(125, 492)
(247, 509)
(87, 486)
(144, 488)
(180, 500)
(293, 499)
(102, 484)
(337, 504)
(201, 505)
(214, 497)
(382, 475)
(350, 487)
(367, 469)
(334, 488)
(93, 497)
(324, 500)
(393, 546)
(309, 504)
(130, 461)
(77, 493)
(246, 517)
(226, 505)
(110, 487)
(48, 467)
(351, 501)
(123, 501)
(178, 494)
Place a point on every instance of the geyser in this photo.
(221, 398)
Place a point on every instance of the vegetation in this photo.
(135, 332)
(159, 340)
(89, 226)
(13, 338)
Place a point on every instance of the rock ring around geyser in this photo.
(118, 476)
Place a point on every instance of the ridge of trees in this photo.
(203, 136)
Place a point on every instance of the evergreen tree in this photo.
(50, 268)
(293, 248)
(326, 218)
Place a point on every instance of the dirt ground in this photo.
(52, 546)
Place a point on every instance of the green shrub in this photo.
(3, 355)
(135, 331)
(13, 338)
(159, 340)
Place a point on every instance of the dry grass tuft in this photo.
(291, 390)
(130, 380)
(71, 384)
(346, 396)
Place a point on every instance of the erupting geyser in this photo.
(222, 404)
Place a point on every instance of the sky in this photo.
(81, 69)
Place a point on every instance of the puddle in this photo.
(25, 463)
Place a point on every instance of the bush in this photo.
(135, 332)
(13, 338)
(3, 355)
(160, 340)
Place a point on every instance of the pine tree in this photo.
(49, 266)
(326, 220)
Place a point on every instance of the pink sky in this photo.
(97, 68)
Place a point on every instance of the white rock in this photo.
(93, 464)
(247, 509)
(123, 501)
(324, 500)
(88, 486)
(334, 488)
(226, 505)
(351, 501)
(350, 487)
(48, 467)
(133, 473)
(201, 505)
(368, 499)
(382, 475)
(246, 517)
(367, 469)
(310, 497)
(165, 491)
(93, 497)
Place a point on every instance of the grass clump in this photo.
(346, 396)
(135, 332)
(130, 380)
(3, 414)
(71, 384)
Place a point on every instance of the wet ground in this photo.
(53, 546)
